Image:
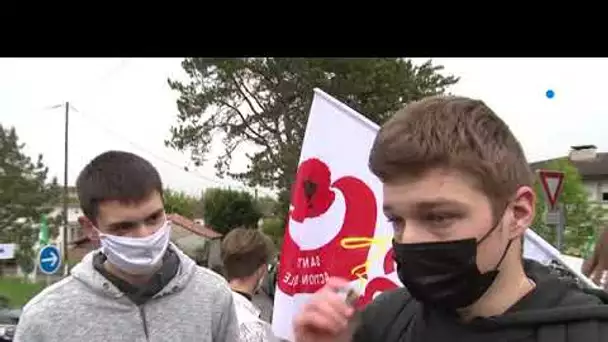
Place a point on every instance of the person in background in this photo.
(458, 192)
(596, 266)
(245, 255)
(138, 286)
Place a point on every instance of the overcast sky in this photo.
(126, 104)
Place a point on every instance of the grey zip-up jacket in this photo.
(196, 306)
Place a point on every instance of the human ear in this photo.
(88, 227)
(523, 210)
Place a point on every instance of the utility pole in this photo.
(64, 242)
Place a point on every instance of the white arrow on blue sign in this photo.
(49, 259)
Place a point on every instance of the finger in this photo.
(313, 325)
(333, 313)
(335, 283)
(317, 321)
(337, 302)
(336, 290)
(332, 306)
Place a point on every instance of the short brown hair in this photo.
(116, 175)
(243, 251)
(457, 133)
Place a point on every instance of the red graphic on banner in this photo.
(389, 262)
(379, 284)
(306, 271)
(376, 285)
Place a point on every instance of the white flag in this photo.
(336, 225)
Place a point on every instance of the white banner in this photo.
(535, 247)
(7, 251)
(336, 225)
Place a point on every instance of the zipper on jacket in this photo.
(142, 314)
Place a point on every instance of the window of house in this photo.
(604, 196)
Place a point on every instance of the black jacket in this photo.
(555, 311)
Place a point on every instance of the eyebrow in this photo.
(120, 224)
(428, 205)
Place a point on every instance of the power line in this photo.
(34, 110)
(53, 107)
(156, 156)
(160, 158)
(104, 78)
(141, 148)
(137, 146)
(123, 63)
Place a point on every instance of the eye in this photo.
(393, 219)
(397, 222)
(121, 228)
(153, 219)
(439, 218)
(435, 217)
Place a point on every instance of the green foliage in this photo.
(228, 209)
(25, 196)
(268, 206)
(281, 213)
(274, 227)
(583, 217)
(284, 203)
(265, 101)
(180, 203)
(19, 291)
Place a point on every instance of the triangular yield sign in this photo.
(553, 183)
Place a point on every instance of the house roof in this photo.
(589, 168)
(179, 220)
(194, 227)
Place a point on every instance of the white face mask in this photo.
(137, 255)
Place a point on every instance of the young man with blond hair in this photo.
(245, 255)
(459, 193)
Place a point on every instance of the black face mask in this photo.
(444, 274)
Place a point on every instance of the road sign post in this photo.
(560, 226)
(552, 183)
(49, 259)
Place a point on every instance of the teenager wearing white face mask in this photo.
(137, 286)
(245, 255)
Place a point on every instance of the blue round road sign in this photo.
(49, 259)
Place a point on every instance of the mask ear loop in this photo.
(490, 231)
(504, 253)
